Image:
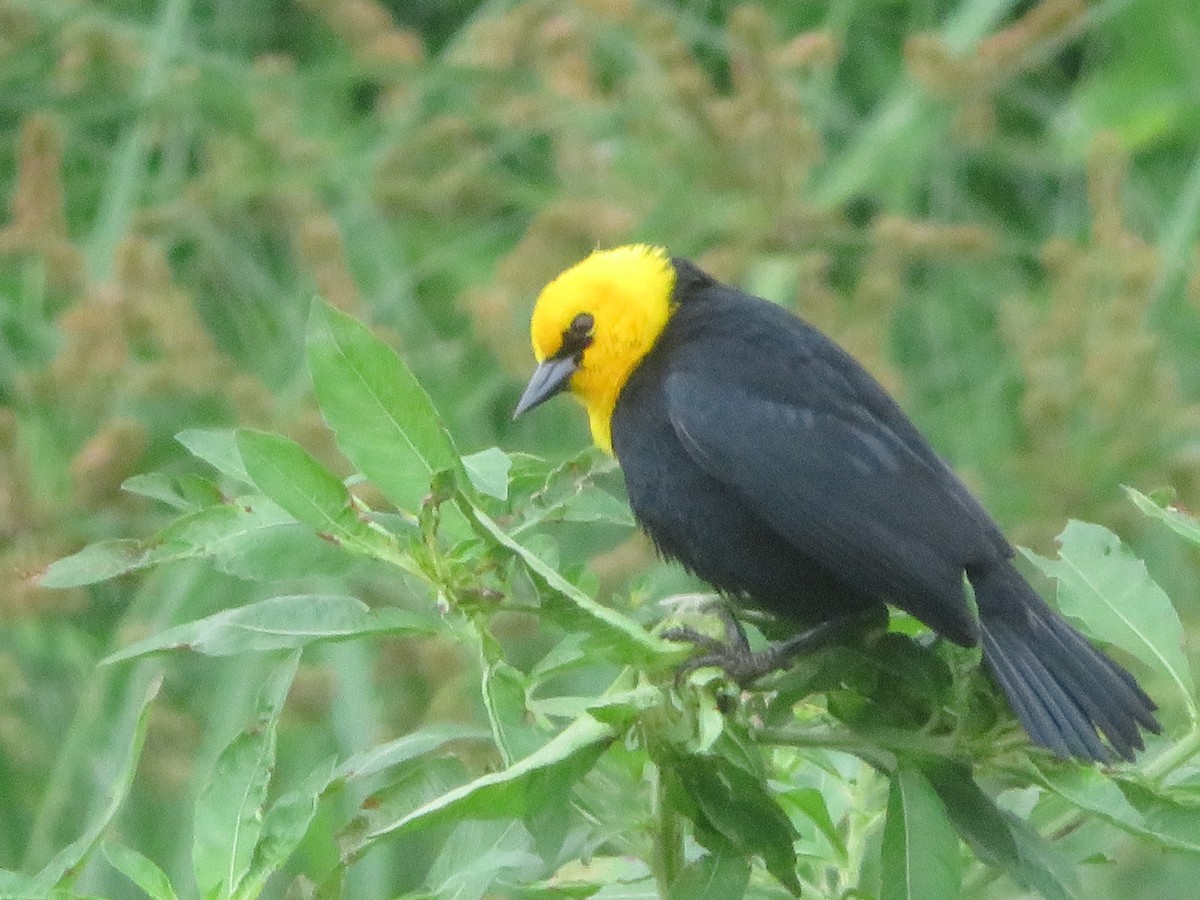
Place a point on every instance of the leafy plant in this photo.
(586, 769)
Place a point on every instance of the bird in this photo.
(767, 461)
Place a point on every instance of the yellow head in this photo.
(593, 324)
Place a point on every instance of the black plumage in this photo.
(770, 463)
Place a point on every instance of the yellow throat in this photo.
(627, 292)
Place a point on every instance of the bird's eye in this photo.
(581, 325)
(577, 336)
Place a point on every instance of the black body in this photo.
(771, 464)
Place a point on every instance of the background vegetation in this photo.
(995, 205)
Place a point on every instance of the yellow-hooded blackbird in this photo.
(767, 461)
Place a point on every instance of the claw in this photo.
(734, 656)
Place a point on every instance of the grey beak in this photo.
(548, 379)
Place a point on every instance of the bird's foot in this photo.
(734, 655)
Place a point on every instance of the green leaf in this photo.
(1177, 520)
(811, 803)
(566, 492)
(142, 871)
(920, 854)
(280, 623)
(566, 655)
(735, 813)
(243, 538)
(711, 876)
(281, 552)
(183, 492)
(1102, 585)
(505, 691)
(488, 470)
(1043, 867)
(108, 559)
(1165, 820)
(974, 815)
(219, 448)
(601, 877)
(19, 886)
(287, 474)
(1158, 818)
(593, 505)
(409, 787)
(72, 857)
(997, 837)
(1091, 790)
(284, 826)
(229, 811)
(477, 857)
(288, 819)
(542, 777)
(250, 538)
(545, 776)
(382, 418)
(208, 530)
(418, 743)
(572, 608)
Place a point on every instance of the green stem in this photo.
(668, 838)
(878, 748)
(1183, 750)
(860, 823)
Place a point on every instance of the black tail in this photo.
(1065, 692)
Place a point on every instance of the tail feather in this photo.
(1083, 664)
(1031, 712)
(1066, 693)
(1062, 724)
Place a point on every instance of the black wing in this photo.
(850, 490)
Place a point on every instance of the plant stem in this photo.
(668, 838)
(1183, 750)
(878, 748)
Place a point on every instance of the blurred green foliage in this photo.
(995, 205)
